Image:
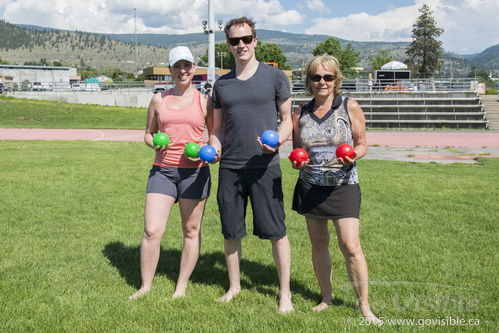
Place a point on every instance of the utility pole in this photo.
(136, 74)
(210, 30)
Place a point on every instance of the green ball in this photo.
(191, 150)
(160, 139)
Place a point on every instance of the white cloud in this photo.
(317, 5)
(392, 25)
(268, 14)
(153, 16)
(470, 25)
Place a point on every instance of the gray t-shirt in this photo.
(249, 109)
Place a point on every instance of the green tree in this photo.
(270, 52)
(484, 77)
(330, 46)
(380, 59)
(347, 57)
(223, 56)
(85, 74)
(424, 54)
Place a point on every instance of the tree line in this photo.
(424, 55)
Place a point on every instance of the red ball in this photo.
(299, 156)
(345, 150)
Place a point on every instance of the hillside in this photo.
(489, 57)
(21, 44)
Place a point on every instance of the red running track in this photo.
(396, 139)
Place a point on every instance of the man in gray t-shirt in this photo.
(246, 102)
(249, 109)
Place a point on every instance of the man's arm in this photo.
(215, 131)
(286, 128)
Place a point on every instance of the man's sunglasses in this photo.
(234, 41)
(317, 77)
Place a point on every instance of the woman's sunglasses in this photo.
(234, 41)
(317, 77)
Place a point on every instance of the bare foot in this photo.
(178, 294)
(323, 304)
(370, 317)
(180, 289)
(139, 293)
(229, 295)
(285, 305)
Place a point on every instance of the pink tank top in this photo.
(182, 126)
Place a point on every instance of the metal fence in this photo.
(410, 85)
(357, 85)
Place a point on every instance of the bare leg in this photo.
(347, 230)
(282, 257)
(321, 259)
(233, 251)
(192, 214)
(157, 210)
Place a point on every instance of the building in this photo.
(56, 76)
(160, 74)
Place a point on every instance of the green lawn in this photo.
(71, 217)
(30, 113)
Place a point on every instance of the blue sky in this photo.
(470, 25)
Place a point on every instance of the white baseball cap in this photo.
(180, 53)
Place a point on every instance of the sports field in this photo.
(71, 217)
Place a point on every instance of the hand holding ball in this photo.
(207, 153)
(160, 139)
(345, 150)
(191, 150)
(299, 155)
(270, 138)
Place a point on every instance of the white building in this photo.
(57, 76)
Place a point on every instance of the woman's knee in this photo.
(192, 230)
(350, 248)
(319, 241)
(151, 233)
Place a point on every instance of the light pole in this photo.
(136, 50)
(209, 29)
(222, 55)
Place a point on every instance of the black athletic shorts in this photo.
(264, 188)
(327, 202)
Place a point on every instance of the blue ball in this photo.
(207, 153)
(270, 138)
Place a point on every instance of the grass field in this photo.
(29, 113)
(71, 217)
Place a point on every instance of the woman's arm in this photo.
(358, 125)
(296, 128)
(152, 123)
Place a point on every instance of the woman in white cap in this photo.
(180, 113)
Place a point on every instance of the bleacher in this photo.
(429, 109)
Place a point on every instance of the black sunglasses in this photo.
(234, 41)
(327, 77)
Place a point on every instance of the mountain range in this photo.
(20, 44)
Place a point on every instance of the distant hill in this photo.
(22, 43)
(489, 57)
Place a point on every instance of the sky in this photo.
(470, 26)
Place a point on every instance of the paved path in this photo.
(442, 147)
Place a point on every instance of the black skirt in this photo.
(327, 202)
